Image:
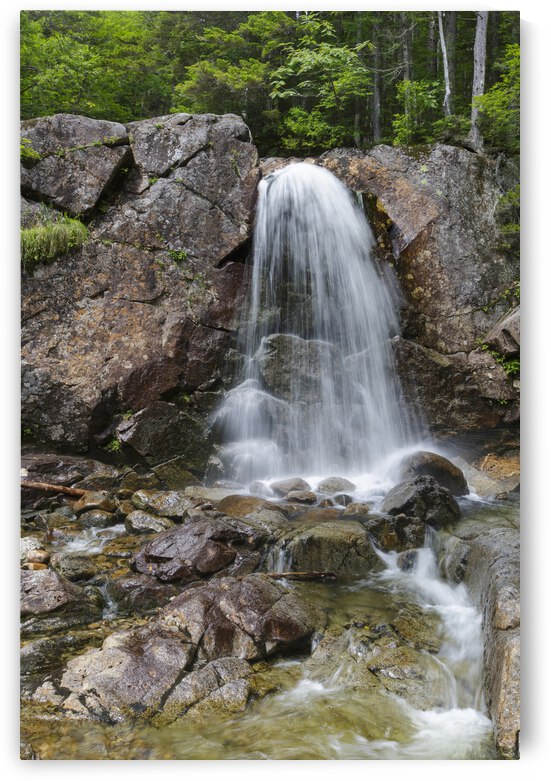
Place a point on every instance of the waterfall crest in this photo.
(319, 393)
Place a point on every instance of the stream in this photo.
(326, 705)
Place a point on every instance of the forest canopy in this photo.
(303, 81)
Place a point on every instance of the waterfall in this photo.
(318, 392)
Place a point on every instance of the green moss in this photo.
(44, 243)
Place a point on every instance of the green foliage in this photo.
(28, 155)
(301, 80)
(309, 133)
(178, 256)
(511, 366)
(500, 105)
(44, 243)
(419, 99)
(113, 446)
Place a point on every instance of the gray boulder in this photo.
(139, 522)
(434, 465)
(80, 158)
(424, 498)
(202, 547)
(505, 335)
(50, 602)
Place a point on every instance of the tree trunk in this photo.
(357, 102)
(406, 48)
(376, 98)
(450, 31)
(447, 94)
(433, 46)
(475, 136)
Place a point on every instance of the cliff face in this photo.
(142, 318)
(129, 341)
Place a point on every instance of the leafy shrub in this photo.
(28, 155)
(44, 243)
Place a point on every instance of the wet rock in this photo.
(97, 519)
(492, 575)
(28, 544)
(94, 500)
(283, 487)
(241, 506)
(45, 654)
(221, 685)
(169, 504)
(248, 618)
(302, 497)
(433, 465)
(413, 675)
(34, 566)
(200, 495)
(38, 556)
(359, 509)
(200, 549)
(396, 533)
(140, 671)
(139, 522)
(138, 593)
(73, 566)
(424, 498)
(50, 602)
(342, 499)
(342, 547)
(260, 489)
(291, 368)
(457, 392)
(174, 475)
(333, 485)
(418, 628)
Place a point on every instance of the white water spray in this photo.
(319, 392)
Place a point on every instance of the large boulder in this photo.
(146, 310)
(424, 498)
(79, 159)
(424, 463)
(202, 547)
(192, 651)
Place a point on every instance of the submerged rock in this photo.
(424, 498)
(433, 465)
(138, 593)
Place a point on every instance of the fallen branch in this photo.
(302, 575)
(61, 489)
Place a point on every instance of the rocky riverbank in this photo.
(156, 605)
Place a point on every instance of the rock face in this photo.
(146, 310)
(491, 564)
(433, 211)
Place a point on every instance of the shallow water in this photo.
(319, 707)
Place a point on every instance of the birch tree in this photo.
(479, 74)
(447, 94)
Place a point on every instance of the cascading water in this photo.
(319, 393)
